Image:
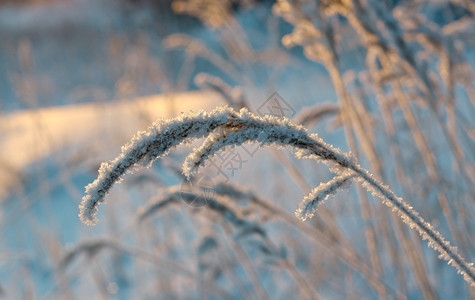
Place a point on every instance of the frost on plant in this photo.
(224, 128)
(308, 206)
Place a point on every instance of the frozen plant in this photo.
(308, 206)
(225, 128)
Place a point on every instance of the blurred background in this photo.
(391, 81)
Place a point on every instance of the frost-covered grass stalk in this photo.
(308, 206)
(224, 128)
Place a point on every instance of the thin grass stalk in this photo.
(349, 119)
(430, 162)
(305, 287)
(246, 263)
(422, 144)
(407, 57)
(350, 258)
(326, 215)
(245, 127)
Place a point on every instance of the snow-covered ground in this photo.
(32, 135)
